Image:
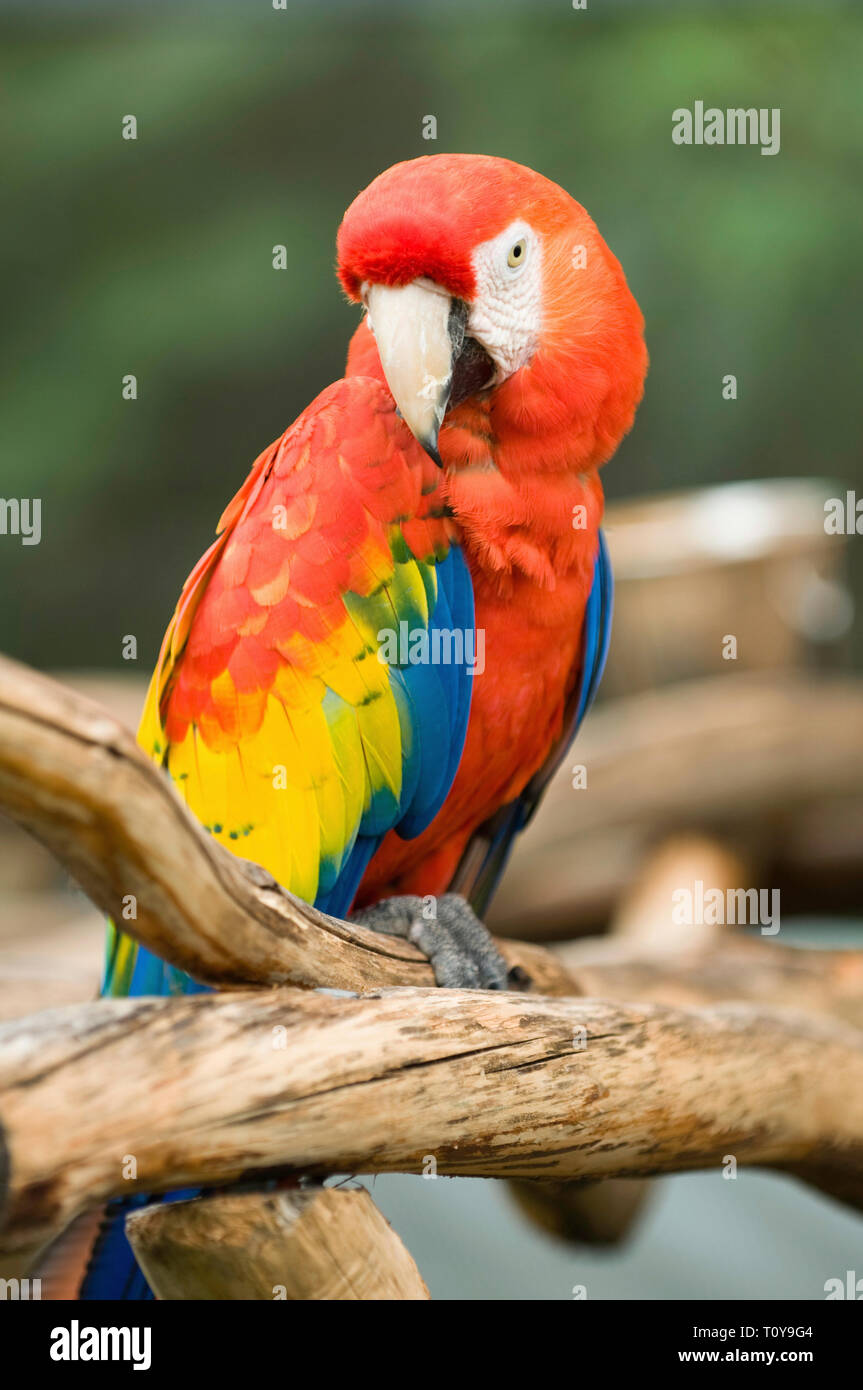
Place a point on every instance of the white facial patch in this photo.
(506, 313)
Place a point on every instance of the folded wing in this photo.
(295, 704)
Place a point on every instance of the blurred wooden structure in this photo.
(770, 764)
(321, 1243)
(751, 560)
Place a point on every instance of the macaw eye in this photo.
(517, 254)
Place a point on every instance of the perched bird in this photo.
(373, 671)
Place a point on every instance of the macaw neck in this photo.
(521, 477)
(527, 508)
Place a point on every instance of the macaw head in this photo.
(484, 281)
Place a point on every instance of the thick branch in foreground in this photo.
(201, 1091)
(322, 1243)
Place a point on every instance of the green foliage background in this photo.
(257, 127)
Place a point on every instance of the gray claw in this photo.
(460, 950)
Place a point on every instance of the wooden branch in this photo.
(200, 1091)
(737, 967)
(76, 779)
(308, 1243)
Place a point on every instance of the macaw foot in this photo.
(448, 931)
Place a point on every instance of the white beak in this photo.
(416, 342)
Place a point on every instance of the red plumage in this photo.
(518, 459)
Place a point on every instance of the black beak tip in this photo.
(431, 448)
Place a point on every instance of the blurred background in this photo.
(153, 257)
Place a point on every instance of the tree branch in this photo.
(322, 1243)
(204, 1090)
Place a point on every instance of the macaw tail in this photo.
(112, 1272)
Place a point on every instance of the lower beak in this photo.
(419, 331)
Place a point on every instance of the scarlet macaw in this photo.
(446, 489)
